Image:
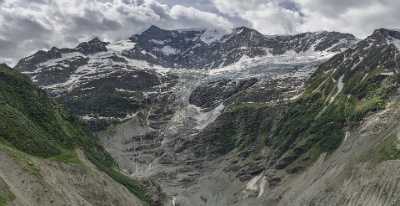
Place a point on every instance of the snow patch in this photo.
(91, 117)
(252, 184)
(243, 63)
(213, 35)
(387, 73)
(339, 85)
(289, 58)
(159, 42)
(346, 136)
(358, 63)
(124, 90)
(87, 89)
(364, 77)
(257, 184)
(174, 201)
(205, 118)
(262, 187)
(144, 52)
(59, 61)
(396, 42)
(120, 46)
(296, 97)
(168, 50)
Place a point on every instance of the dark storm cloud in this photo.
(338, 7)
(20, 34)
(6, 46)
(23, 28)
(290, 5)
(29, 25)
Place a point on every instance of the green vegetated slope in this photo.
(241, 126)
(5, 194)
(34, 124)
(342, 92)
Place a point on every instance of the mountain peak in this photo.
(154, 32)
(244, 34)
(93, 46)
(153, 29)
(4, 65)
(246, 30)
(95, 40)
(385, 34)
(54, 49)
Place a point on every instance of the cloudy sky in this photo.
(30, 25)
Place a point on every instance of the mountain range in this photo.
(204, 117)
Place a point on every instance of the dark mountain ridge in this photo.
(191, 49)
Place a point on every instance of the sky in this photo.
(30, 25)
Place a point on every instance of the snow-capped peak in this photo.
(385, 36)
(213, 35)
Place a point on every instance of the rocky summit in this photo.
(220, 118)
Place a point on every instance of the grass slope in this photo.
(337, 97)
(34, 124)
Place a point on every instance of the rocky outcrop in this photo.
(31, 63)
(92, 47)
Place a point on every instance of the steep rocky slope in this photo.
(339, 140)
(337, 144)
(309, 119)
(109, 82)
(173, 125)
(45, 154)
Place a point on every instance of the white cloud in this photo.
(266, 16)
(353, 16)
(192, 16)
(293, 16)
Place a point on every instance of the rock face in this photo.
(238, 117)
(92, 47)
(210, 49)
(213, 93)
